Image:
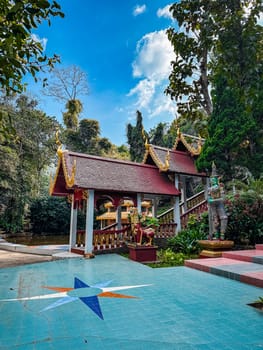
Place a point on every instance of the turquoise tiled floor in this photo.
(181, 308)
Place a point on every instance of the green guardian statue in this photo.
(217, 214)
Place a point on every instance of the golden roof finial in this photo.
(178, 132)
(167, 159)
(145, 139)
(177, 126)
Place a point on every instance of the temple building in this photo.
(97, 180)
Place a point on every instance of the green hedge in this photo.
(50, 215)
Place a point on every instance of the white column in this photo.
(73, 225)
(118, 218)
(139, 203)
(210, 219)
(177, 217)
(183, 196)
(89, 224)
(74, 231)
(154, 207)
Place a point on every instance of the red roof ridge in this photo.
(110, 160)
(171, 150)
(160, 147)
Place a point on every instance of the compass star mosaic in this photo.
(88, 294)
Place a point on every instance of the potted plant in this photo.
(258, 304)
(150, 222)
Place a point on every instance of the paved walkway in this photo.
(19, 253)
(111, 302)
(10, 259)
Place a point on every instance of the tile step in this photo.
(252, 255)
(244, 266)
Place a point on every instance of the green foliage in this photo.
(20, 52)
(150, 221)
(225, 134)
(227, 32)
(157, 135)
(50, 215)
(71, 116)
(189, 77)
(135, 139)
(27, 154)
(85, 139)
(168, 257)
(245, 218)
(11, 220)
(186, 241)
(260, 300)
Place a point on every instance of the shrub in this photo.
(50, 215)
(167, 257)
(186, 241)
(245, 218)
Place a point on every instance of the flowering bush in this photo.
(245, 218)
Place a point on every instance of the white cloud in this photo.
(42, 41)
(138, 10)
(247, 9)
(154, 54)
(164, 12)
(260, 20)
(152, 64)
(144, 90)
(163, 105)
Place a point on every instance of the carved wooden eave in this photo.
(194, 149)
(69, 172)
(163, 166)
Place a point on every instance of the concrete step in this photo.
(244, 266)
(251, 255)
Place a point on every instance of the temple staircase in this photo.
(196, 204)
(245, 265)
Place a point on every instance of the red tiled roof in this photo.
(179, 162)
(107, 174)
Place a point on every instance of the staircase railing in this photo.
(194, 205)
(197, 210)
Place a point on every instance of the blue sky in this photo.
(122, 47)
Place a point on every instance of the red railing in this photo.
(111, 238)
(165, 230)
(197, 210)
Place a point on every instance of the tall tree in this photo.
(220, 39)
(157, 135)
(136, 139)
(86, 138)
(27, 155)
(235, 128)
(192, 43)
(68, 85)
(20, 52)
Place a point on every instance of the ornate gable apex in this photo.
(189, 143)
(158, 156)
(63, 170)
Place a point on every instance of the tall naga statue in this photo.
(217, 214)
